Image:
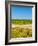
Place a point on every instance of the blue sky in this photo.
(19, 12)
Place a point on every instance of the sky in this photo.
(20, 12)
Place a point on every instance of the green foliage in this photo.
(15, 21)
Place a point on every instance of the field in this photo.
(21, 28)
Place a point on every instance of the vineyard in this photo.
(15, 21)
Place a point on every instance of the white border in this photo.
(8, 21)
(33, 25)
